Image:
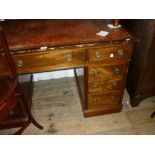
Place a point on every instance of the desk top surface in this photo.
(28, 34)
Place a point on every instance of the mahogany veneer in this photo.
(100, 62)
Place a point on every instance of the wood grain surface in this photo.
(23, 34)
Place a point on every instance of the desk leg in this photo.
(27, 106)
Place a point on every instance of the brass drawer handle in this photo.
(98, 54)
(117, 70)
(120, 52)
(68, 57)
(115, 85)
(19, 63)
(96, 73)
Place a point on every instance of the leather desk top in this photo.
(29, 34)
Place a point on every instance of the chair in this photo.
(153, 114)
(11, 92)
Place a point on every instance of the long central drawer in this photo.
(49, 60)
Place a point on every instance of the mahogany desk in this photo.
(100, 63)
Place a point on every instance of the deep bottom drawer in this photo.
(49, 60)
(104, 101)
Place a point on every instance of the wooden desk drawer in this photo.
(50, 60)
(111, 54)
(101, 87)
(106, 73)
(104, 101)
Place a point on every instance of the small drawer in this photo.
(49, 60)
(106, 73)
(104, 101)
(101, 87)
(110, 54)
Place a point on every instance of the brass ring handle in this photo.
(68, 57)
(96, 73)
(19, 63)
(117, 70)
(120, 52)
(115, 85)
(98, 54)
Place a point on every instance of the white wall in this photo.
(53, 75)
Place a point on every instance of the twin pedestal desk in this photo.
(98, 53)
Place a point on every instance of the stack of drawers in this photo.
(106, 78)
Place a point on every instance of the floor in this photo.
(56, 105)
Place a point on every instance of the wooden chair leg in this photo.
(30, 116)
(28, 110)
(153, 114)
(20, 131)
(33, 120)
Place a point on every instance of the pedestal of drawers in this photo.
(105, 79)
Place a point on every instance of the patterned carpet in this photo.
(56, 106)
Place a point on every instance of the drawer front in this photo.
(101, 87)
(110, 54)
(106, 73)
(104, 101)
(44, 61)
